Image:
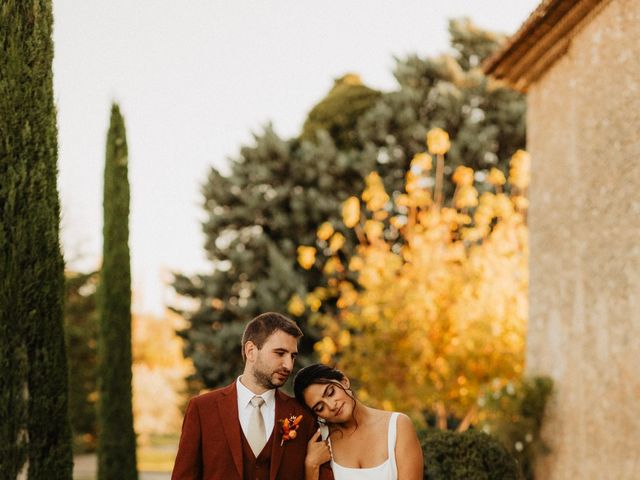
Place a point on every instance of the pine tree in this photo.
(279, 191)
(485, 120)
(34, 424)
(116, 437)
(339, 111)
(276, 195)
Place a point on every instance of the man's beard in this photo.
(264, 378)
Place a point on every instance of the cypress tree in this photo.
(116, 437)
(34, 424)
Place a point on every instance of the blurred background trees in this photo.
(279, 191)
(81, 328)
(432, 304)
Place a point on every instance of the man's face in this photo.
(273, 363)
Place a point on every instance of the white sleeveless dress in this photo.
(387, 470)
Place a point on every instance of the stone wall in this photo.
(584, 137)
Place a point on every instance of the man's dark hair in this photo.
(265, 325)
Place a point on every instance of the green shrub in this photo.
(471, 455)
(514, 414)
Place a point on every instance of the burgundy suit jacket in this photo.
(210, 445)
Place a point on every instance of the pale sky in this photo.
(193, 80)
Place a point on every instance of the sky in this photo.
(194, 79)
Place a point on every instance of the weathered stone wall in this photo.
(584, 137)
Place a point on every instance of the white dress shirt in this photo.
(244, 408)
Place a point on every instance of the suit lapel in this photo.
(276, 449)
(228, 411)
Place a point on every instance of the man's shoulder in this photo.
(290, 401)
(214, 395)
(282, 396)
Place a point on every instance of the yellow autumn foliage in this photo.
(159, 370)
(306, 256)
(438, 141)
(439, 309)
(325, 231)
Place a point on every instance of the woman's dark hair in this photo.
(319, 373)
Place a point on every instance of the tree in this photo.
(159, 370)
(116, 436)
(277, 193)
(338, 113)
(280, 192)
(485, 120)
(81, 328)
(437, 312)
(34, 425)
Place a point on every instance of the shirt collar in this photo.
(245, 395)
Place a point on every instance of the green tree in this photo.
(276, 195)
(81, 328)
(339, 111)
(279, 192)
(485, 120)
(116, 437)
(34, 424)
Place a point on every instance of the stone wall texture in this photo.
(584, 137)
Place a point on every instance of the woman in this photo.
(363, 442)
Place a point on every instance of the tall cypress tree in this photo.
(116, 437)
(34, 425)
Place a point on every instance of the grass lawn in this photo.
(155, 460)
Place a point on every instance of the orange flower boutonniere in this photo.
(289, 427)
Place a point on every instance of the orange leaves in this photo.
(466, 197)
(496, 177)
(306, 256)
(421, 162)
(324, 231)
(336, 242)
(432, 306)
(374, 194)
(296, 306)
(463, 176)
(351, 212)
(438, 141)
(520, 171)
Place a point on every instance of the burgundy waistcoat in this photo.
(256, 468)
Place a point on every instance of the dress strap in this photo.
(392, 435)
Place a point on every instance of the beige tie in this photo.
(256, 434)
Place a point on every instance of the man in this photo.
(237, 432)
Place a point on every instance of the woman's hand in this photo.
(317, 454)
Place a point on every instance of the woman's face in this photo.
(329, 401)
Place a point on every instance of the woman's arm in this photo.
(408, 451)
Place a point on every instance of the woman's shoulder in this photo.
(405, 431)
(387, 416)
(405, 424)
(381, 414)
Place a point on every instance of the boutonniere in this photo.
(289, 427)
